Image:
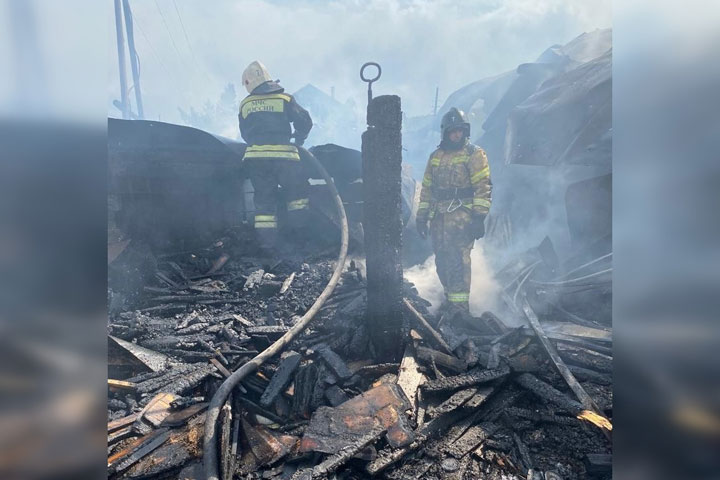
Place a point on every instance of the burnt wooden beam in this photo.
(150, 443)
(473, 377)
(423, 434)
(455, 400)
(190, 381)
(281, 379)
(593, 412)
(548, 393)
(382, 224)
(253, 407)
(444, 360)
(480, 397)
(120, 434)
(337, 460)
(333, 360)
(471, 439)
(122, 422)
(272, 330)
(424, 323)
(586, 359)
(590, 375)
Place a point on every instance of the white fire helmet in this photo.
(254, 75)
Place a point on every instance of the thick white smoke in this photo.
(484, 289)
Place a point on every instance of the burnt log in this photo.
(549, 393)
(474, 377)
(441, 359)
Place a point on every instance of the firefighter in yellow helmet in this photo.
(454, 201)
(265, 119)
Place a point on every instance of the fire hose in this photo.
(210, 440)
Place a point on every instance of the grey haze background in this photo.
(190, 50)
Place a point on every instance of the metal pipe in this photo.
(133, 59)
(575, 270)
(121, 61)
(573, 281)
(527, 275)
(522, 272)
(210, 460)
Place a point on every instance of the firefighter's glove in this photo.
(478, 225)
(299, 141)
(421, 222)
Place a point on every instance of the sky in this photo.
(190, 49)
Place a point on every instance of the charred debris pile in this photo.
(468, 399)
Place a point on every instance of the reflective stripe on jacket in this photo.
(266, 115)
(285, 152)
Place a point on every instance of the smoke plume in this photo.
(484, 289)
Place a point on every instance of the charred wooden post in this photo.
(382, 164)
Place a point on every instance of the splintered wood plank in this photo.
(132, 447)
(120, 434)
(122, 422)
(121, 385)
(410, 378)
(158, 408)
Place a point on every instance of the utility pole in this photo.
(134, 63)
(124, 107)
(437, 90)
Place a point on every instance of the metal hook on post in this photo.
(370, 80)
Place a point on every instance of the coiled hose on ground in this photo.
(210, 441)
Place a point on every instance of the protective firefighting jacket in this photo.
(264, 119)
(455, 179)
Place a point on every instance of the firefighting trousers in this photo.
(452, 242)
(278, 185)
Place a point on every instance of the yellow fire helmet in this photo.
(254, 75)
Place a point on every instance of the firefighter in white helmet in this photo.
(270, 158)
